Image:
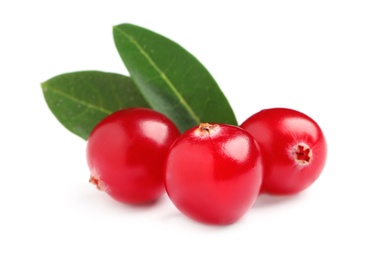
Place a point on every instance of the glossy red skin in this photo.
(214, 177)
(126, 153)
(277, 131)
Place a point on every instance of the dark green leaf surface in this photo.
(172, 80)
(80, 100)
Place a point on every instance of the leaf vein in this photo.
(76, 100)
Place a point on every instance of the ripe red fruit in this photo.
(213, 173)
(126, 153)
(293, 146)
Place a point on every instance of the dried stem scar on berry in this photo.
(293, 146)
(206, 130)
(213, 173)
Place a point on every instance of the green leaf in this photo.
(172, 80)
(79, 100)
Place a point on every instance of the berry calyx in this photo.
(97, 182)
(302, 154)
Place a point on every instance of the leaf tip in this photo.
(44, 86)
(117, 26)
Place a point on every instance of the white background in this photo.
(320, 57)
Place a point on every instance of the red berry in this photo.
(213, 173)
(293, 147)
(126, 153)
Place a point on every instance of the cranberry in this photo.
(213, 173)
(126, 153)
(293, 147)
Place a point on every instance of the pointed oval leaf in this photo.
(79, 100)
(172, 80)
